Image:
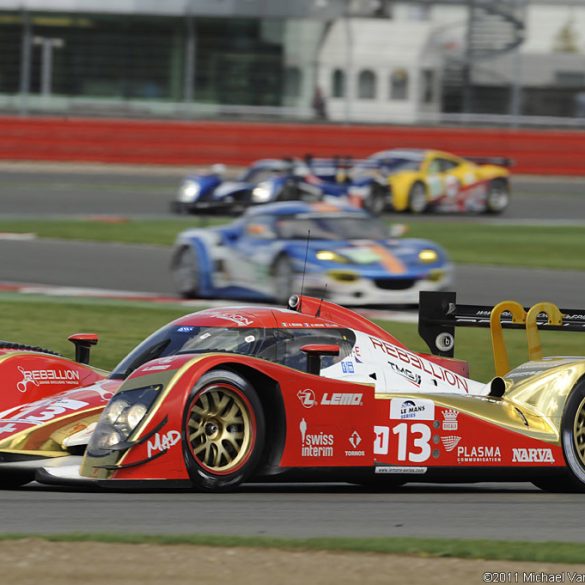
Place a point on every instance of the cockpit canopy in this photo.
(280, 345)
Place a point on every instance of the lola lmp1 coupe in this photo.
(309, 392)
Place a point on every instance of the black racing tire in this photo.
(417, 198)
(498, 196)
(180, 208)
(224, 431)
(16, 479)
(283, 277)
(185, 271)
(377, 199)
(573, 441)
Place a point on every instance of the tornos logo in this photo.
(355, 440)
(308, 399)
(532, 456)
(479, 454)
(41, 377)
(315, 444)
(412, 409)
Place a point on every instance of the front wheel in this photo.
(376, 199)
(223, 430)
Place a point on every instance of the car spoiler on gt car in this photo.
(439, 315)
(500, 161)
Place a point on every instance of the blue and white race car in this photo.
(264, 181)
(342, 253)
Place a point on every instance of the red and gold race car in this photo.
(313, 391)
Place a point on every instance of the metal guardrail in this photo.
(103, 107)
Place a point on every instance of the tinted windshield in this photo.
(276, 345)
(175, 339)
(395, 165)
(331, 227)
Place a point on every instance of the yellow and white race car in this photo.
(420, 180)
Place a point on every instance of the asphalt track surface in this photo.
(495, 511)
(508, 511)
(57, 190)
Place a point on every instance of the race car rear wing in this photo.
(500, 161)
(439, 315)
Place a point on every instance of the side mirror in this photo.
(314, 353)
(83, 343)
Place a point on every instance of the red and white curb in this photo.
(121, 295)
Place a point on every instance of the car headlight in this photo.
(262, 192)
(121, 417)
(189, 191)
(330, 256)
(428, 256)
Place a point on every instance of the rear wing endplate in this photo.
(439, 315)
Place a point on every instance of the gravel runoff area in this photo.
(33, 561)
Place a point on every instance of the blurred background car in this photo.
(421, 180)
(264, 181)
(340, 253)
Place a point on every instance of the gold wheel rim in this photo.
(219, 429)
(579, 431)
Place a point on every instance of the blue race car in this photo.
(265, 181)
(351, 258)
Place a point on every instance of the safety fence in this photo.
(543, 152)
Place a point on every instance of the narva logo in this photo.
(532, 456)
(342, 399)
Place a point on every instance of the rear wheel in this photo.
(573, 439)
(498, 197)
(186, 273)
(223, 431)
(417, 199)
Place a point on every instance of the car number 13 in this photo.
(420, 436)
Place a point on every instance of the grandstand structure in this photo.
(340, 60)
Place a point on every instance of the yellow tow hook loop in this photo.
(555, 317)
(500, 353)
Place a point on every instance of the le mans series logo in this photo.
(413, 409)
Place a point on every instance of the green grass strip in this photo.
(549, 552)
(555, 247)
